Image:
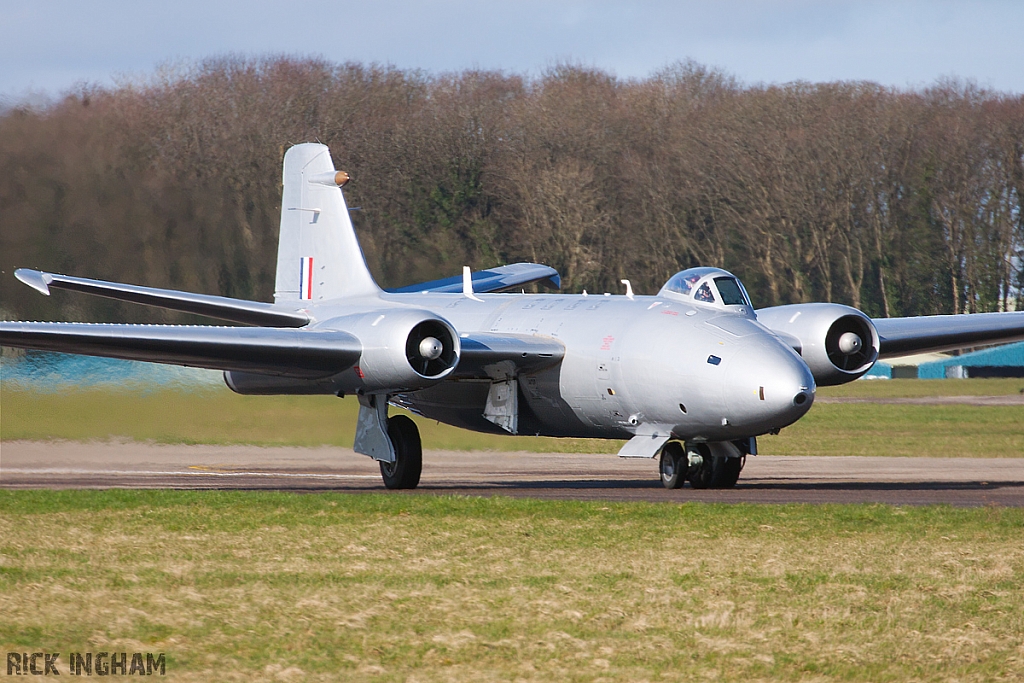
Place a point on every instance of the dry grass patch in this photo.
(271, 586)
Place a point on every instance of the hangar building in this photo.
(998, 361)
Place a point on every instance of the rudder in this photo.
(318, 255)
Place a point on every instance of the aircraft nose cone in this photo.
(770, 385)
(801, 398)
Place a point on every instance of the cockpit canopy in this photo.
(706, 286)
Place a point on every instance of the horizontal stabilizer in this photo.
(497, 279)
(219, 307)
(504, 356)
(267, 350)
(905, 336)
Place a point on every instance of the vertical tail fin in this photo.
(318, 255)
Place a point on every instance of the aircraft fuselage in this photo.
(710, 373)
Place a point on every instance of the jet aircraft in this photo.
(693, 374)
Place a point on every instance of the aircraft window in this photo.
(704, 294)
(730, 290)
(683, 282)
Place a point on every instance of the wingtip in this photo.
(35, 279)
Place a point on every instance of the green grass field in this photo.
(218, 416)
(910, 388)
(278, 586)
(274, 586)
(907, 430)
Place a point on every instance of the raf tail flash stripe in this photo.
(306, 277)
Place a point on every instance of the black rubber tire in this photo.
(404, 472)
(725, 472)
(715, 472)
(702, 476)
(673, 465)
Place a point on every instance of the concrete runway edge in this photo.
(765, 479)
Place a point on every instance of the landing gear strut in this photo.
(404, 472)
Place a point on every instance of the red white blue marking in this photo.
(306, 277)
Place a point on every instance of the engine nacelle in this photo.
(403, 349)
(838, 343)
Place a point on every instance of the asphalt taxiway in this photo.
(765, 479)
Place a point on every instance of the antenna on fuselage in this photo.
(629, 288)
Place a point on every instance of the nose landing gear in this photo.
(711, 471)
(704, 466)
(673, 465)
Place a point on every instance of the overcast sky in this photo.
(48, 46)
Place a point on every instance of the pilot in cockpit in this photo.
(704, 294)
(707, 286)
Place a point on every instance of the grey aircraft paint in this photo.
(624, 362)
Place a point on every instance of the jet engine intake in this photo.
(403, 349)
(432, 349)
(838, 343)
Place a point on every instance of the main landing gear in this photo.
(394, 442)
(404, 472)
(704, 466)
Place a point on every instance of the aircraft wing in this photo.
(265, 350)
(503, 356)
(493, 280)
(220, 307)
(305, 354)
(904, 336)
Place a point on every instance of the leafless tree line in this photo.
(898, 202)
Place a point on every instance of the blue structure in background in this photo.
(880, 370)
(1001, 361)
(53, 372)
